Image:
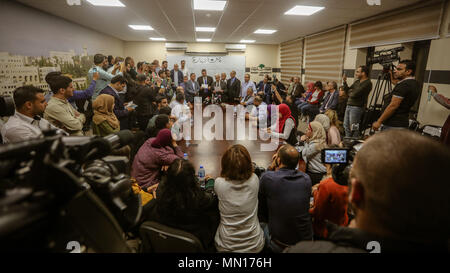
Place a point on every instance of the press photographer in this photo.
(396, 104)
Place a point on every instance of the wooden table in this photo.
(209, 153)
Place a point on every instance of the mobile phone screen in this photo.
(334, 156)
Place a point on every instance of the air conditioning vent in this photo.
(235, 47)
(176, 46)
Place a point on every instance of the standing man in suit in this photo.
(220, 88)
(117, 85)
(233, 88)
(265, 90)
(205, 82)
(176, 75)
(192, 89)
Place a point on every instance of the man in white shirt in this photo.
(246, 85)
(182, 113)
(258, 112)
(26, 123)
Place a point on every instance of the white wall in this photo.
(30, 32)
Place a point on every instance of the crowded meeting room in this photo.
(256, 127)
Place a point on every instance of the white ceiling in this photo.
(176, 20)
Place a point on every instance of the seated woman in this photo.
(285, 128)
(154, 154)
(325, 122)
(314, 142)
(333, 134)
(313, 101)
(330, 203)
(105, 122)
(302, 101)
(182, 204)
(237, 189)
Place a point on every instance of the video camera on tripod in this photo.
(383, 86)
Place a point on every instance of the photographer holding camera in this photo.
(400, 198)
(396, 104)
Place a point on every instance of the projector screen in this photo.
(212, 64)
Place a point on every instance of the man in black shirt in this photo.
(145, 101)
(396, 104)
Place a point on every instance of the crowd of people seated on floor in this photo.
(385, 199)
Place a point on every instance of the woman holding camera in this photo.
(314, 141)
(182, 204)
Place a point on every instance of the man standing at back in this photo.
(233, 88)
(176, 75)
(192, 89)
(396, 105)
(101, 65)
(205, 82)
(284, 201)
(357, 99)
(246, 85)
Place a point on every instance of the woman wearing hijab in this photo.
(155, 154)
(305, 96)
(104, 120)
(285, 128)
(314, 142)
(325, 122)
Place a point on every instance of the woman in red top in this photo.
(313, 101)
(330, 203)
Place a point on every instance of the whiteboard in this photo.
(212, 64)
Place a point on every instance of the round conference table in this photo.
(209, 153)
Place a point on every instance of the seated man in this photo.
(259, 112)
(26, 123)
(117, 85)
(284, 195)
(397, 193)
(249, 98)
(59, 111)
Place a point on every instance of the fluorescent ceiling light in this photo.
(157, 39)
(205, 29)
(203, 40)
(209, 5)
(107, 3)
(140, 27)
(265, 31)
(247, 41)
(303, 10)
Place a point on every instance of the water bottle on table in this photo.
(201, 177)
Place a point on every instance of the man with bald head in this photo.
(284, 195)
(400, 195)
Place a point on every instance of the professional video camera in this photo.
(385, 57)
(382, 87)
(58, 192)
(7, 107)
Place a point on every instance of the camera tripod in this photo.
(373, 110)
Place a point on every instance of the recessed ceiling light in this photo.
(203, 40)
(140, 27)
(107, 3)
(209, 5)
(265, 31)
(247, 41)
(157, 39)
(205, 29)
(303, 10)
